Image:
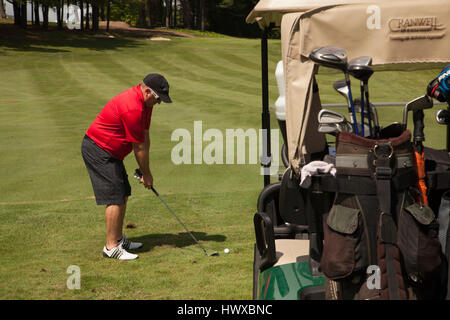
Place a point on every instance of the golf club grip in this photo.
(418, 116)
(138, 175)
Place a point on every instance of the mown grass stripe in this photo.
(223, 68)
(180, 79)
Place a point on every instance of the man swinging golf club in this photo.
(121, 127)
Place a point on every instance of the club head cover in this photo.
(434, 91)
(444, 81)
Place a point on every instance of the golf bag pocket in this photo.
(341, 226)
(418, 241)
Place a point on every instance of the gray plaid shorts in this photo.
(108, 175)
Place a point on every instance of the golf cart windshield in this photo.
(401, 35)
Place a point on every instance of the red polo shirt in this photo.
(122, 121)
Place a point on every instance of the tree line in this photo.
(223, 16)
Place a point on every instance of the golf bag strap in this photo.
(360, 161)
(362, 185)
(438, 180)
(381, 158)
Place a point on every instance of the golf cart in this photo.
(291, 221)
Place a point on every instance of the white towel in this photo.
(313, 168)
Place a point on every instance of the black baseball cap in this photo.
(158, 83)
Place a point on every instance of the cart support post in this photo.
(266, 157)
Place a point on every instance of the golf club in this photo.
(332, 122)
(336, 58)
(443, 116)
(418, 139)
(341, 87)
(327, 116)
(396, 129)
(419, 103)
(334, 128)
(439, 89)
(138, 175)
(360, 68)
(373, 115)
(434, 91)
(328, 128)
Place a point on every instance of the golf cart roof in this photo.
(270, 11)
(397, 34)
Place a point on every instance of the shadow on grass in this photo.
(180, 240)
(35, 40)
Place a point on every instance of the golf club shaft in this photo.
(138, 175)
(351, 106)
(376, 130)
(369, 111)
(362, 109)
(173, 213)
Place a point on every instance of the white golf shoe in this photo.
(128, 244)
(119, 252)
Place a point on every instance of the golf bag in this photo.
(379, 242)
(437, 166)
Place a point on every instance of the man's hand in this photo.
(141, 153)
(147, 180)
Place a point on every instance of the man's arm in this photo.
(142, 155)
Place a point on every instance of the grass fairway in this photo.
(52, 87)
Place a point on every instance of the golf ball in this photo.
(226, 250)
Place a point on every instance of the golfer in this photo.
(121, 127)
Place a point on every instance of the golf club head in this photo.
(443, 116)
(439, 88)
(341, 87)
(331, 57)
(419, 103)
(328, 128)
(434, 91)
(360, 68)
(346, 126)
(214, 254)
(329, 116)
